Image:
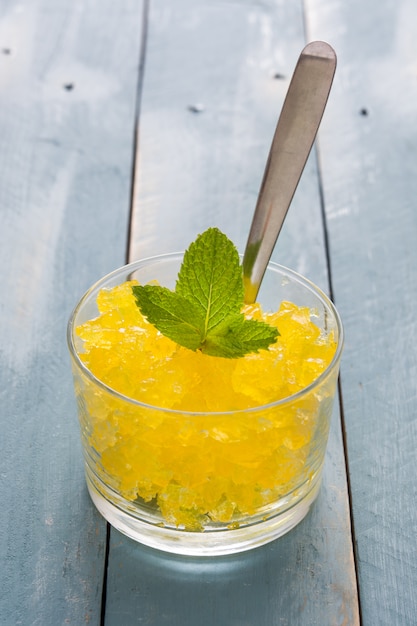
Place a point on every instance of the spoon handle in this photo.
(294, 136)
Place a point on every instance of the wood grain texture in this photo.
(215, 79)
(68, 74)
(369, 160)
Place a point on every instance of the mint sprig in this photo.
(204, 311)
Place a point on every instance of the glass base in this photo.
(209, 542)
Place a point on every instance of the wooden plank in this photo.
(368, 153)
(210, 73)
(68, 74)
(201, 167)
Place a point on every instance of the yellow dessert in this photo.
(201, 439)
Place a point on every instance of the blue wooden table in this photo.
(127, 128)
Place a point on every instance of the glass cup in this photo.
(262, 466)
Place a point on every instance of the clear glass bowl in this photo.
(262, 466)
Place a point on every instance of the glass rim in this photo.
(135, 265)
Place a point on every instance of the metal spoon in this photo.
(294, 136)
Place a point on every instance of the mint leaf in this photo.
(237, 336)
(172, 315)
(211, 277)
(204, 311)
